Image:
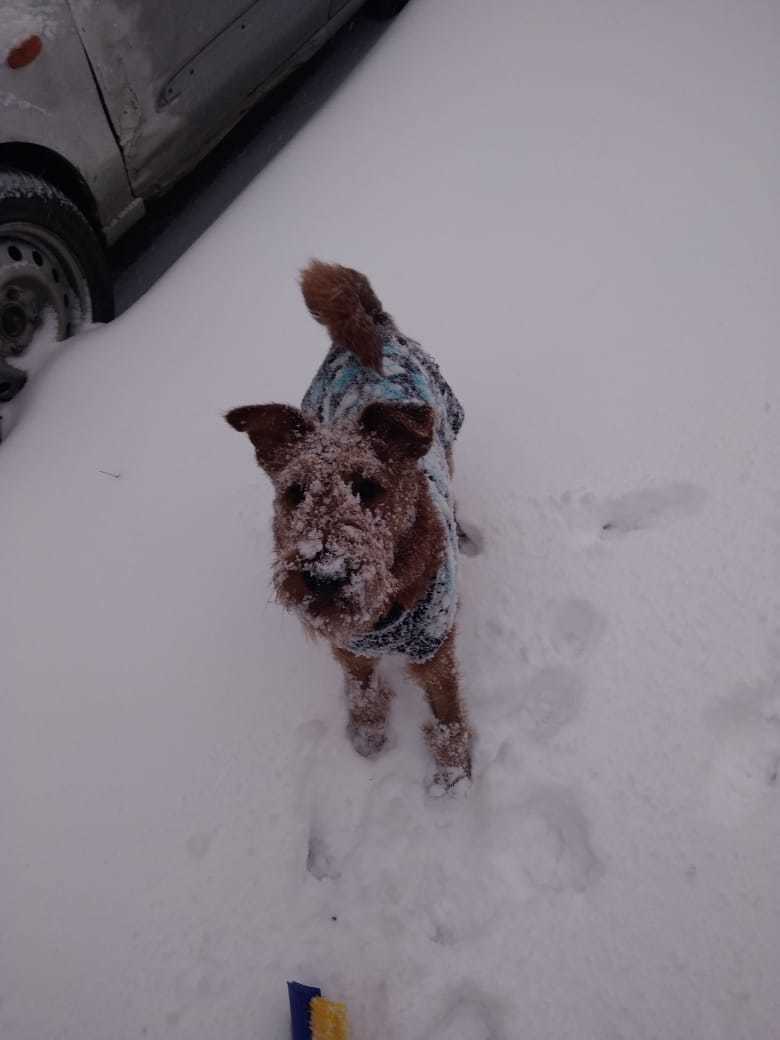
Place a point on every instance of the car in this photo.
(105, 105)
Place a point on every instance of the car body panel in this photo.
(133, 94)
(172, 73)
(54, 103)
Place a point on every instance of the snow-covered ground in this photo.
(575, 207)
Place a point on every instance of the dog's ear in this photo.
(399, 429)
(276, 430)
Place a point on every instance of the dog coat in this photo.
(341, 390)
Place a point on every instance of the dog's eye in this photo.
(294, 495)
(368, 491)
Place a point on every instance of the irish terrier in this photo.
(365, 536)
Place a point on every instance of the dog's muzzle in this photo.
(325, 575)
(324, 585)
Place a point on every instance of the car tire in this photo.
(51, 258)
(386, 8)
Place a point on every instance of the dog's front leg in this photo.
(448, 736)
(368, 700)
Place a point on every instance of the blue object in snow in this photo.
(300, 997)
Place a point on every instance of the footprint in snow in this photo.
(745, 766)
(202, 978)
(320, 861)
(550, 700)
(198, 845)
(576, 628)
(547, 837)
(470, 1016)
(458, 899)
(471, 541)
(640, 510)
(592, 520)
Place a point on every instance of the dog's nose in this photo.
(324, 584)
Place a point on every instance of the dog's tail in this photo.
(343, 301)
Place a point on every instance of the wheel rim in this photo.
(38, 272)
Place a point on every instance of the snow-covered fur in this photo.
(364, 527)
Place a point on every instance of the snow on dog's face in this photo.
(347, 497)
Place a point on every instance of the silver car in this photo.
(107, 103)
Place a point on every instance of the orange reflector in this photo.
(27, 51)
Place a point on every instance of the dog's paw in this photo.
(453, 781)
(450, 745)
(368, 741)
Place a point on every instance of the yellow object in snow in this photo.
(328, 1020)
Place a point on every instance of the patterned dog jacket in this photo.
(341, 390)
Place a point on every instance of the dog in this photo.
(365, 535)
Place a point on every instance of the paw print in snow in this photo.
(198, 845)
(745, 766)
(551, 699)
(469, 1017)
(640, 510)
(471, 541)
(590, 520)
(577, 627)
(547, 837)
(320, 861)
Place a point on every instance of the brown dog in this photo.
(364, 529)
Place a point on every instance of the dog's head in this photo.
(348, 501)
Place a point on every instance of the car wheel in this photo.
(51, 260)
(386, 8)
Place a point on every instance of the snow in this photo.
(574, 208)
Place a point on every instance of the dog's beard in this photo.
(355, 609)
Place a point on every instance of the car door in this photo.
(174, 73)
